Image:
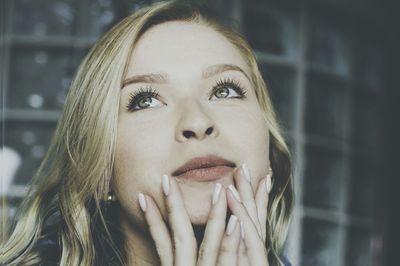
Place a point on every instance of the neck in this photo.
(139, 246)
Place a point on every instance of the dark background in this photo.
(332, 68)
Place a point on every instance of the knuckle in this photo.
(182, 240)
(161, 251)
(225, 249)
(202, 252)
(152, 228)
(170, 209)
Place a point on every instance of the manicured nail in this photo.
(231, 225)
(217, 191)
(246, 172)
(142, 202)
(268, 183)
(165, 184)
(234, 192)
(242, 230)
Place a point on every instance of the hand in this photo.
(255, 208)
(219, 246)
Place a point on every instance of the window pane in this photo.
(328, 48)
(358, 252)
(320, 243)
(31, 141)
(271, 30)
(362, 188)
(280, 83)
(366, 121)
(45, 17)
(323, 177)
(325, 107)
(40, 77)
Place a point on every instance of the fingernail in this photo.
(165, 184)
(268, 183)
(142, 201)
(231, 225)
(242, 230)
(217, 190)
(246, 172)
(234, 192)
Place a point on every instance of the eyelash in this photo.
(153, 93)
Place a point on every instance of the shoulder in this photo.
(285, 261)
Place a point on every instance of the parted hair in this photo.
(64, 218)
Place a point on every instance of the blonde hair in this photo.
(68, 192)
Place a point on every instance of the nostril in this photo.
(188, 133)
(209, 130)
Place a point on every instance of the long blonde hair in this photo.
(68, 192)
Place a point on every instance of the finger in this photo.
(158, 230)
(255, 246)
(242, 256)
(184, 241)
(230, 243)
(242, 180)
(208, 251)
(261, 199)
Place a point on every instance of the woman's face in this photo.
(199, 111)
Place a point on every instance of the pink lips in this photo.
(206, 168)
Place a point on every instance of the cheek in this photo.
(246, 124)
(140, 154)
(249, 135)
(140, 146)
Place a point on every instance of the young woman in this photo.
(163, 154)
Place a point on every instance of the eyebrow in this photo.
(163, 78)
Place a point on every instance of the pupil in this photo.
(222, 92)
(144, 102)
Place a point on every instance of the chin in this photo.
(198, 213)
(198, 203)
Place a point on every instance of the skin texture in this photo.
(151, 142)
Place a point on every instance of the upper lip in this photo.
(203, 162)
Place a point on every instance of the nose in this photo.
(194, 123)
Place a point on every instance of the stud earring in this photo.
(111, 197)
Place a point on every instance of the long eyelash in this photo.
(150, 92)
(235, 84)
(135, 96)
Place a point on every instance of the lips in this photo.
(205, 168)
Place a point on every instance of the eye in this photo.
(228, 88)
(143, 99)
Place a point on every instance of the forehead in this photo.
(188, 45)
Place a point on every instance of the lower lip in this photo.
(206, 174)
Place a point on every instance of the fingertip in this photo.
(222, 196)
(217, 193)
(241, 230)
(165, 180)
(232, 224)
(229, 199)
(262, 185)
(234, 193)
(142, 202)
(268, 183)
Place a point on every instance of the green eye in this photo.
(222, 93)
(228, 88)
(143, 99)
(144, 102)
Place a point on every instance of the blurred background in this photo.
(330, 67)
